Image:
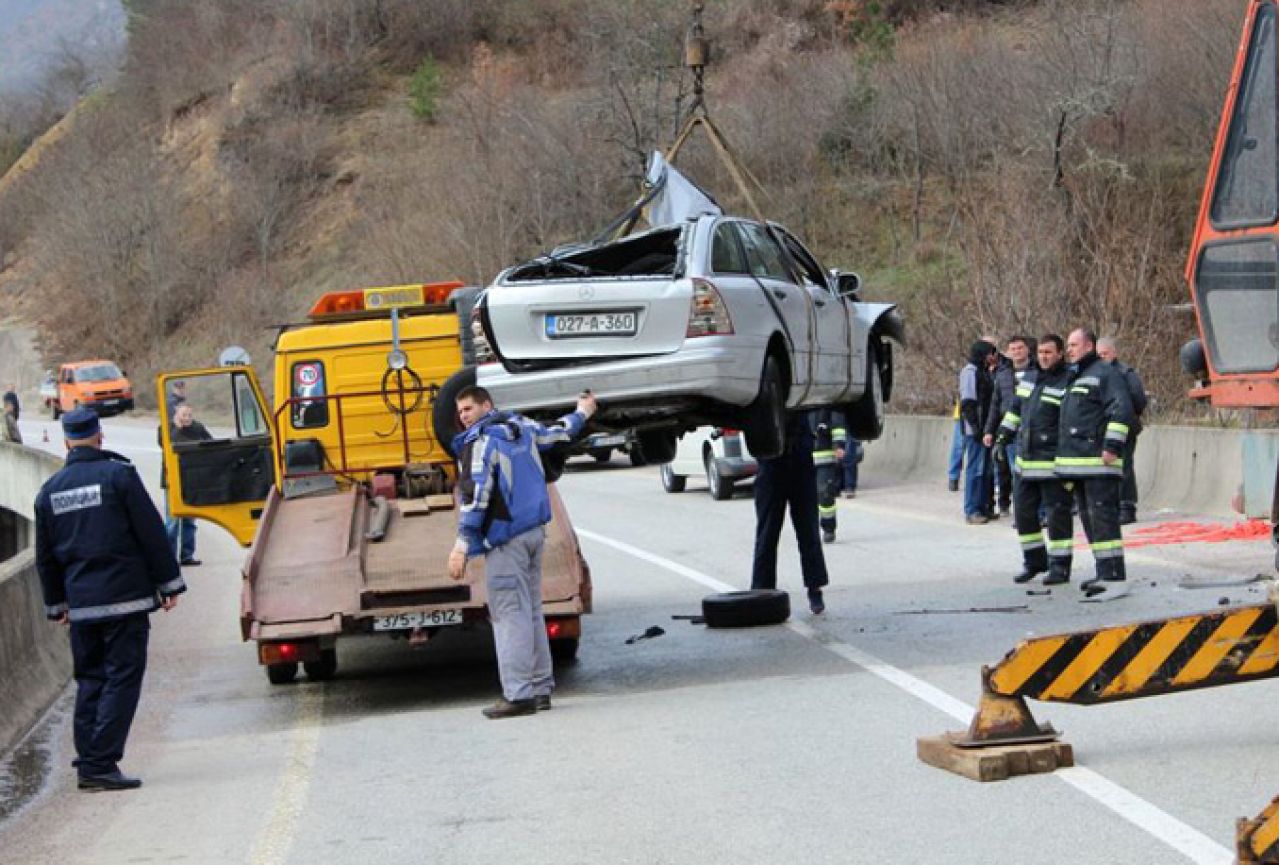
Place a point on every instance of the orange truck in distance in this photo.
(96, 384)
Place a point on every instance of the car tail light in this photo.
(479, 341)
(728, 431)
(708, 315)
(306, 651)
(563, 628)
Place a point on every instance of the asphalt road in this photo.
(785, 743)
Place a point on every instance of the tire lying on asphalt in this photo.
(746, 609)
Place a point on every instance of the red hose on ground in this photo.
(1185, 532)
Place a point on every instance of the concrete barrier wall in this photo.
(1187, 469)
(35, 659)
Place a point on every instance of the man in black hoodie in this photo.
(975, 388)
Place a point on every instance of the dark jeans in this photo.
(849, 468)
(788, 481)
(110, 659)
(181, 532)
(975, 454)
(955, 464)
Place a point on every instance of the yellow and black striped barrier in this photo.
(1258, 839)
(1144, 659)
(1122, 663)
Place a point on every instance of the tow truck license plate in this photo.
(592, 324)
(417, 619)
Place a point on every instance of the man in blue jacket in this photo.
(504, 506)
(105, 564)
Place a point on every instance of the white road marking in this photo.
(1186, 840)
(275, 841)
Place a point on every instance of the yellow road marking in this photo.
(276, 838)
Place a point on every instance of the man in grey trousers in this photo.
(504, 511)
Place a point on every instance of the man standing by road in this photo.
(790, 481)
(1033, 420)
(11, 403)
(104, 565)
(181, 530)
(1096, 416)
(504, 506)
(974, 401)
(1014, 377)
(1137, 394)
(828, 458)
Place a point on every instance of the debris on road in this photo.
(653, 631)
(1020, 608)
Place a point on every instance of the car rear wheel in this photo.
(865, 417)
(658, 446)
(672, 482)
(325, 668)
(721, 487)
(281, 674)
(766, 417)
(746, 609)
(564, 649)
(636, 454)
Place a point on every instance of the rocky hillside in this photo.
(996, 167)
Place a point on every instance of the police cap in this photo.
(80, 424)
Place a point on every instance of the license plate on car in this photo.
(567, 325)
(417, 619)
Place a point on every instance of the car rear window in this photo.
(726, 252)
(654, 253)
(765, 256)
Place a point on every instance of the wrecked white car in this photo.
(716, 320)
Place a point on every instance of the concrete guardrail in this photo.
(1186, 469)
(35, 657)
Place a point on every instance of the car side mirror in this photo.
(847, 284)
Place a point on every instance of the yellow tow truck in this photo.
(343, 490)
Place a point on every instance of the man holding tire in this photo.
(504, 507)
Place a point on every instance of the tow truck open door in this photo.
(222, 469)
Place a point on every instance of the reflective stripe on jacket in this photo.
(1096, 416)
(1033, 421)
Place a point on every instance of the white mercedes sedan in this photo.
(717, 320)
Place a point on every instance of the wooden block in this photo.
(995, 763)
(441, 502)
(414, 508)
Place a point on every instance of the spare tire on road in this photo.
(746, 609)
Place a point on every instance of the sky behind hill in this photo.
(32, 32)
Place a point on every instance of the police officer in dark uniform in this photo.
(1096, 418)
(830, 440)
(1033, 420)
(104, 565)
(790, 480)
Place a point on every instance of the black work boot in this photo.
(1027, 574)
(505, 708)
(1057, 577)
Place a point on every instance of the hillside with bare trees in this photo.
(996, 167)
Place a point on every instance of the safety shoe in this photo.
(977, 519)
(543, 702)
(1127, 516)
(1026, 575)
(190, 563)
(828, 537)
(109, 782)
(1056, 578)
(1106, 590)
(505, 708)
(952, 485)
(816, 603)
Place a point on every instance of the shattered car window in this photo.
(655, 253)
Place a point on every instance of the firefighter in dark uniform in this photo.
(1096, 416)
(830, 440)
(1033, 420)
(790, 480)
(105, 564)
